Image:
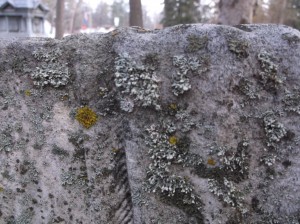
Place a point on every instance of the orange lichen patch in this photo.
(86, 117)
(173, 140)
(211, 162)
(27, 92)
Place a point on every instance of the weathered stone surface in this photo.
(191, 124)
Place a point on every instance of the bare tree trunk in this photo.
(135, 15)
(234, 12)
(277, 10)
(59, 25)
(74, 14)
(282, 11)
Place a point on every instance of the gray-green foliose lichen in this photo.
(165, 151)
(127, 105)
(274, 130)
(181, 82)
(247, 88)
(291, 101)
(269, 70)
(51, 71)
(234, 161)
(137, 81)
(228, 193)
(268, 160)
(185, 122)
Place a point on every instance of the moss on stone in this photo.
(292, 39)
(196, 43)
(151, 60)
(193, 210)
(239, 47)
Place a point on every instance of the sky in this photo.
(153, 7)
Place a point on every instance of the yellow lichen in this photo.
(86, 117)
(173, 106)
(115, 150)
(211, 162)
(173, 140)
(1, 189)
(186, 178)
(64, 97)
(27, 92)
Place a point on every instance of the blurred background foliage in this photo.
(81, 16)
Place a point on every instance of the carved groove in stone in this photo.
(124, 208)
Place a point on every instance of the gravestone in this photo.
(22, 18)
(190, 124)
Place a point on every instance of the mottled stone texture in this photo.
(191, 124)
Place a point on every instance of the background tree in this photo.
(209, 11)
(148, 21)
(52, 11)
(120, 10)
(59, 21)
(234, 12)
(103, 15)
(285, 12)
(260, 12)
(292, 17)
(181, 12)
(229, 12)
(277, 9)
(135, 13)
(74, 14)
